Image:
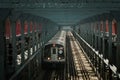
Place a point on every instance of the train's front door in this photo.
(54, 53)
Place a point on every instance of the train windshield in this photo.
(54, 51)
(47, 51)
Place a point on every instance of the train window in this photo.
(54, 51)
(46, 53)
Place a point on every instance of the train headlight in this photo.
(59, 58)
(60, 51)
(48, 58)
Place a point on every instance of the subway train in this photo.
(54, 51)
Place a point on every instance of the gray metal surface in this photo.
(67, 12)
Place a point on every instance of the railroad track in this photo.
(71, 73)
(79, 66)
(54, 74)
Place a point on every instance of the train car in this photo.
(54, 51)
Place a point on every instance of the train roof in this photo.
(59, 38)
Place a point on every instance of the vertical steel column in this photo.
(103, 39)
(22, 43)
(96, 45)
(118, 47)
(88, 32)
(14, 44)
(110, 42)
(86, 27)
(99, 36)
(2, 50)
(43, 34)
(29, 39)
(85, 31)
(35, 41)
(95, 37)
(37, 36)
(33, 38)
(92, 33)
(92, 43)
(29, 70)
(41, 28)
(99, 48)
(91, 39)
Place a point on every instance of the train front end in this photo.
(54, 55)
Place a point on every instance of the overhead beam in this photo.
(61, 5)
(59, 1)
